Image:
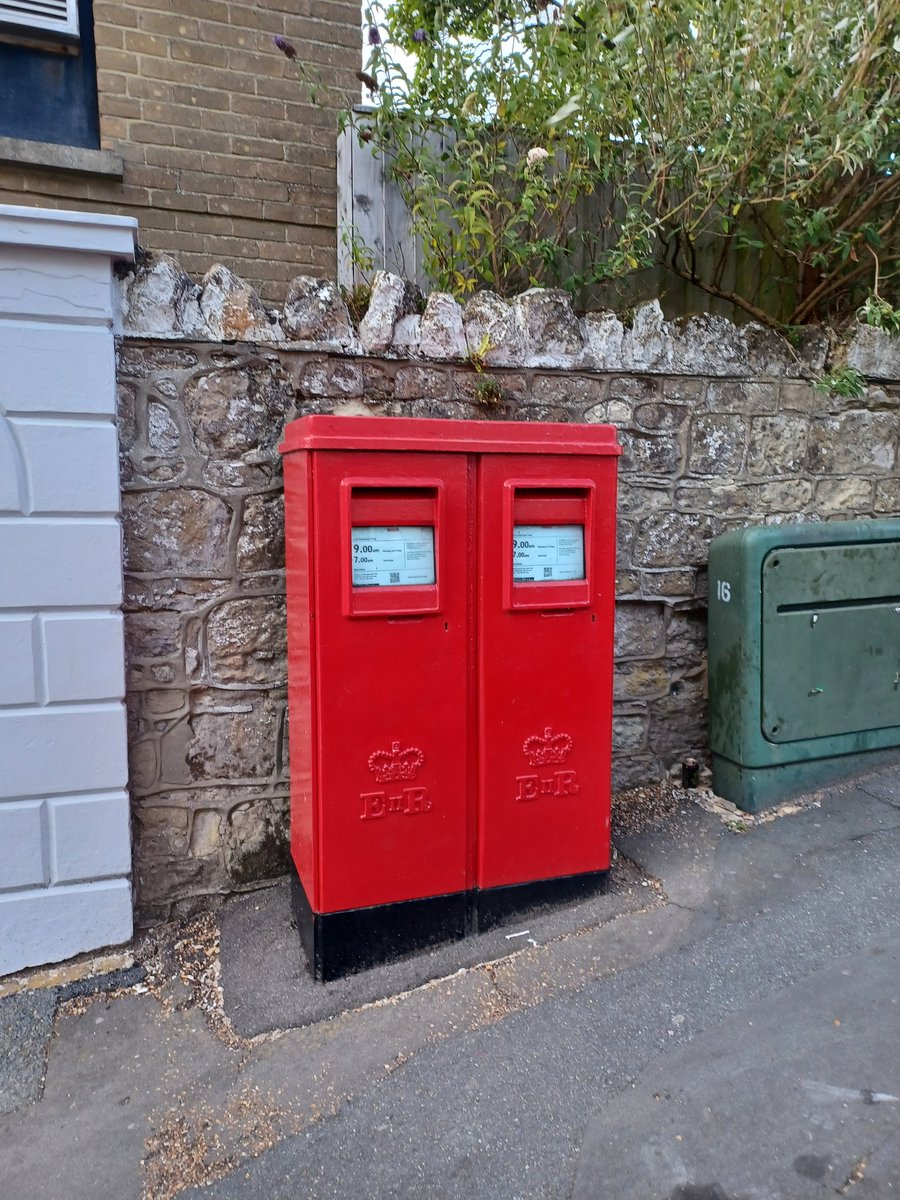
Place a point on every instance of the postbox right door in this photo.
(546, 559)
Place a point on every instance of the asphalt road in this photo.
(724, 1027)
(758, 1058)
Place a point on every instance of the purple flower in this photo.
(420, 35)
(374, 36)
(285, 47)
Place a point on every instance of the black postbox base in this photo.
(494, 906)
(342, 943)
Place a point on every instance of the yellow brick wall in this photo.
(226, 159)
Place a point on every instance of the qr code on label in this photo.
(395, 576)
(548, 572)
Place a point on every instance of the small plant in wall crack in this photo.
(488, 389)
(478, 355)
(358, 298)
(489, 392)
(842, 381)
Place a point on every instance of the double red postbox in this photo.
(450, 636)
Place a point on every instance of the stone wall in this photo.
(721, 427)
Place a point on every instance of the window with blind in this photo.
(40, 20)
(48, 73)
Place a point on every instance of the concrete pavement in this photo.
(724, 1025)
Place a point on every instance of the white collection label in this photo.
(544, 553)
(392, 556)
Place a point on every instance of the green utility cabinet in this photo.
(804, 656)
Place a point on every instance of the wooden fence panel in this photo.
(373, 216)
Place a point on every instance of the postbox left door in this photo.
(391, 593)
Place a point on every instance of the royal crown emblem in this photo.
(387, 765)
(551, 748)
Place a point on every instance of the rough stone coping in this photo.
(538, 329)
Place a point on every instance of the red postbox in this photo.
(450, 626)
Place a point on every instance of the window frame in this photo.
(37, 29)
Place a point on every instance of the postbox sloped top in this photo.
(467, 437)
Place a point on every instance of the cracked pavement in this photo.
(723, 1025)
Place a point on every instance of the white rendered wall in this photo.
(65, 850)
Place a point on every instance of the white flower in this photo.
(536, 155)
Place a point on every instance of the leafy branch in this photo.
(750, 148)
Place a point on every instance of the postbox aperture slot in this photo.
(548, 530)
(406, 505)
(812, 607)
(558, 505)
(391, 547)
